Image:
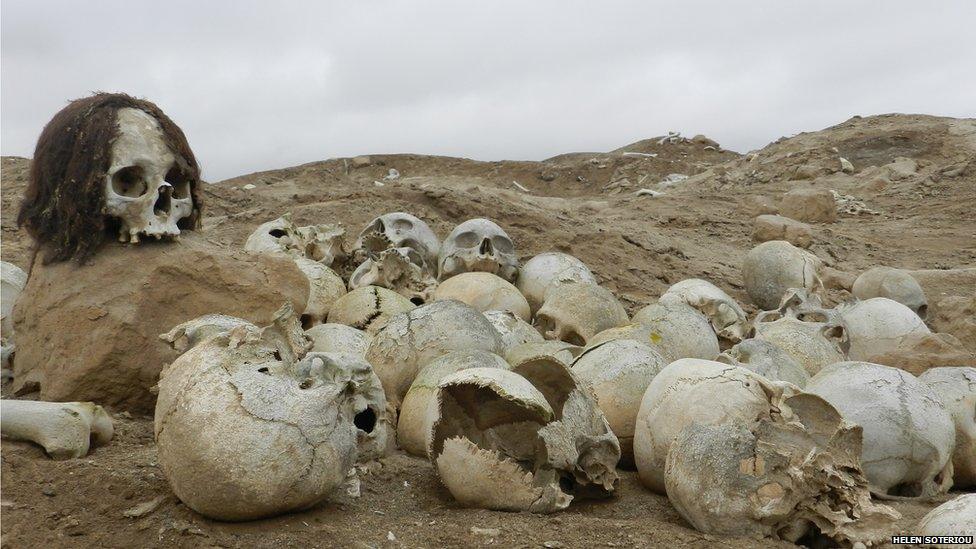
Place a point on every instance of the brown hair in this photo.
(63, 205)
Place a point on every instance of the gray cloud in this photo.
(262, 85)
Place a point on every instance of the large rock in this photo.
(91, 332)
(809, 205)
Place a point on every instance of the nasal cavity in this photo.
(365, 420)
(486, 247)
(164, 201)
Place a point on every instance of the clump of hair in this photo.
(63, 207)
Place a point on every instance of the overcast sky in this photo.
(263, 85)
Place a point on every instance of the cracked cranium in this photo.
(690, 391)
(485, 292)
(402, 270)
(325, 287)
(547, 270)
(338, 338)
(527, 439)
(677, 330)
(619, 371)
(514, 330)
(772, 268)
(399, 230)
(419, 408)
(249, 425)
(867, 329)
(894, 284)
(908, 433)
(368, 308)
(478, 245)
(956, 386)
(577, 311)
(66, 430)
(412, 339)
(727, 317)
(558, 350)
(145, 188)
(794, 473)
(767, 360)
(321, 243)
(800, 328)
(956, 517)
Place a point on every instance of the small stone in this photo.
(901, 168)
(553, 544)
(809, 205)
(846, 166)
(547, 174)
(361, 161)
(491, 532)
(48, 491)
(806, 171)
(249, 186)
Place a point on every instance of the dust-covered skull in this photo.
(399, 230)
(478, 245)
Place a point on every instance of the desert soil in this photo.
(580, 203)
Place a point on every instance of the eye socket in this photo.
(467, 239)
(129, 182)
(502, 244)
(401, 225)
(179, 181)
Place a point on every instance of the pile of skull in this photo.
(527, 385)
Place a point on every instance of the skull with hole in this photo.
(320, 243)
(410, 340)
(801, 329)
(513, 330)
(325, 288)
(772, 268)
(956, 386)
(867, 329)
(767, 360)
(894, 284)
(485, 292)
(399, 230)
(250, 425)
(619, 371)
(66, 430)
(338, 338)
(550, 269)
(419, 408)
(727, 317)
(145, 188)
(908, 433)
(368, 308)
(677, 330)
(402, 270)
(956, 517)
(478, 245)
(690, 391)
(527, 439)
(793, 474)
(577, 311)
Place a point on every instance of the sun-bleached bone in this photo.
(66, 430)
(322, 243)
(485, 292)
(513, 330)
(368, 308)
(678, 331)
(400, 230)
(12, 282)
(767, 360)
(325, 288)
(574, 312)
(908, 433)
(726, 316)
(558, 350)
(186, 335)
(772, 268)
(478, 245)
(894, 284)
(550, 269)
(867, 329)
(338, 338)
(801, 328)
(956, 517)
(956, 386)
(402, 270)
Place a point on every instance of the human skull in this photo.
(249, 425)
(546, 270)
(767, 360)
(894, 284)
(402, 270)
(399, 230)
(514, 330)
(321, 243)
(867, 329)
(794, 473)
(144, 188)
(575, 312)
(557, 350)
(338, 338)
(800, 328)
(419, 408)
(618, 372)
(678, 330)
(956, 386)
(478, 245)
(368, 308)
(527, 439)
(325, 288)
(908, 433)
(956, 517)
(690, 391)
(772, 268)
(189, 334)
(727, 317)
(410, 340)
(485, 292)
(12, 281)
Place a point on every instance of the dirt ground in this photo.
(580, 203)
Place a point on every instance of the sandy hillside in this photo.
(914, 182)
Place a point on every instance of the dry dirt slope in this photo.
(580, 203)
